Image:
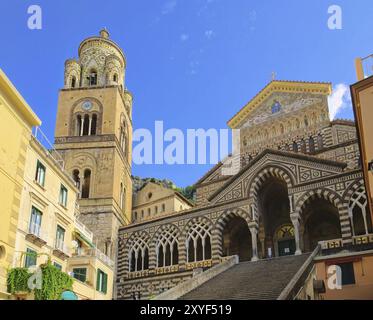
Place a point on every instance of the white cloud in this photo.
(184, 37)
(169, 7)
(252, 16)
(209, 34)
(339, 99)
(193, 67)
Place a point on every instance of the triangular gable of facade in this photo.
(276, 86)
(300, 169)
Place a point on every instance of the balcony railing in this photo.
(35, 234)
(84, 230)
(61, 250)
(94, 252)
(43, 141)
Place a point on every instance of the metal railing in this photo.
(35, 229)
(94, 252)
(84, 230)
(61, 246)
(48, 146)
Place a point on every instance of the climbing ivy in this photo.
(54, 282)
(17, 280)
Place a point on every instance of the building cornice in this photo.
(19, 103)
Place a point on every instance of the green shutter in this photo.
(104, 289)
(98, 280)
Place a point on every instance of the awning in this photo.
(81, 237)
(69, 295)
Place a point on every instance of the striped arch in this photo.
(336, 201)
(197, 221)
(140, 238)
(271, 171)
(166, 235)
(355, 197)
(326, 194)
(227, 215)
(221, 223)
(352, 189)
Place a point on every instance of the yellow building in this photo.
(48, 226)
(154, 200)
(16, 117)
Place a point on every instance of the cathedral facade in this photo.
(300, 185)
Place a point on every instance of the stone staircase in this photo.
(261, 280)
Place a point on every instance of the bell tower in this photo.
(93, 134)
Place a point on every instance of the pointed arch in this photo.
(166, 241)
(360, 219)
(137, 251)
(198, 234)
(326, 194)
(264, 174)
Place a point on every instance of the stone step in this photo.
(260, 280)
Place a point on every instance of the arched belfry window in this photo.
(86, 124)
(94, 125)
(123, 138)
(73, 82)
(79, 124)
(115, 77)
(76, 178)
(86, 184)
(92, 78)
(122, 196)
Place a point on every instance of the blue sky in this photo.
(190, 63)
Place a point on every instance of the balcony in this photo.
(35, 235)
(61, 250)
(93, 253)
(83, 230)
